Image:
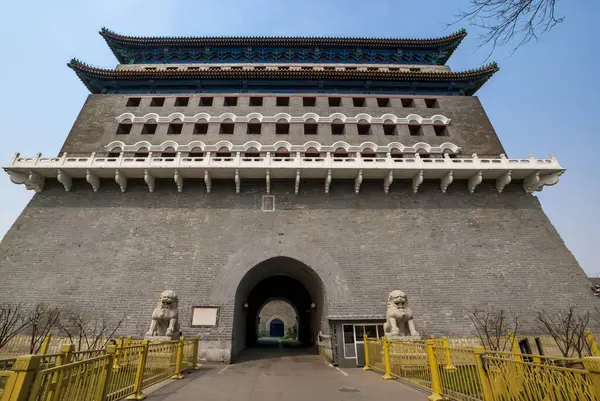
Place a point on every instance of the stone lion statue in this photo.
(165, 317)
(399, 318)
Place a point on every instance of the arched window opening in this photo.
(224, 152)
(252, 152)
(337, 127)
(364, 128)
(368, 153)
(340, 152)
(149, 127)
(169, 152)
(201, 128)
(282, 152)
(254, 127)
(175, 127)
(141, 152)
(312, 152)
(389, 128)
(396, 153)
(115, 152)
(440, 129)
(282, 127)
(196, 152)
(311, 127)
(415, 129)
(226, 127)
(124, 128)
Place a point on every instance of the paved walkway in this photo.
(283, 374)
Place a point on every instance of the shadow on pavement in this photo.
(273, 347)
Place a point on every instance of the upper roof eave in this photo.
(114, 39)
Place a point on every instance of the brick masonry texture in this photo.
(112, 253)
(276, 310)
(469, 129)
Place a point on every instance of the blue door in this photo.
(276, 328)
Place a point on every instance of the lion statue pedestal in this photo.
(399, 323)
(165, 318)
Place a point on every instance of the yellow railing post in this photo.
(179, 363)
(386, 357)
(593, 344)
(139, 374)
(447, 356)
(436, 385)
(119, 353)
(592, 365)
(104, 383)
(514, 346)
(195, 355)
(366, 345)
(66, 351)
(484, 380)
(20, 381)
(45, 344)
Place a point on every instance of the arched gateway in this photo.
(283, 278)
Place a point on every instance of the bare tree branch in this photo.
(89, 333)
(568, 329)
(41, 320)
(506, 21)
(12, 322)
(493, 327)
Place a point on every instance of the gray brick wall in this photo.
(470, 128)
(113, 253)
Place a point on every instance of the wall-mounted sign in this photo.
(205, 316)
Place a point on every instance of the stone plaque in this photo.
(204, 316)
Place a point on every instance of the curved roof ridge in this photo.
(108, 34)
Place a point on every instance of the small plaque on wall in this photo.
(205, 316)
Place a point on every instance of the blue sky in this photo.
(542, 101)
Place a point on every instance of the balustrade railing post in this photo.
(386, 357)
(66, 351)
(139, 373)
(592, 365)
(436, 386)
(593, 344)
(179, 361)
(447, 355)
(105, 373)
(119, 353)
(484, 379)
(366, 345)
(45, 344)
(21, 380)
(195, 355)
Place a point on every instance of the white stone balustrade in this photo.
(534, 173)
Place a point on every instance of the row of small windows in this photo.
(282, 127)
(285, 68)
(284, 152)
(282, 101)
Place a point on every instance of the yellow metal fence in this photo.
(476, 374)
(109, 374)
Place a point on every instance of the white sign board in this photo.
(204, 316)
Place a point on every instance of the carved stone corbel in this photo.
(150, 180)
(446, 181)
(92, 179)
(503, 181)
(357, 181)
(531, 182)
(327, 181)
(121, 179)
(297, 184)
(207, 181)
(268, 181)
(65, 179)
(178, 180)
(387, 181)
(417, 180)
(32, 180)
(237, 181)
(475, 180)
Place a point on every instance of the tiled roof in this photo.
(453, 39)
